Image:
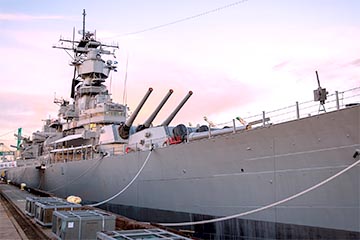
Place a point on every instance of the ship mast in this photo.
(83, 32)
(90, 72)
(87, 61)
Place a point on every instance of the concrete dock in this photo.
(9, 229)
(16, 224)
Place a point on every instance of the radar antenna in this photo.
(81, 49)
(320, 95)
(83, 32)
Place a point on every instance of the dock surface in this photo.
(9, 229)
(15, 224)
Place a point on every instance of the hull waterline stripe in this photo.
(127, 186)
(264, 207)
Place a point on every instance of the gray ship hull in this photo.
(229, 174)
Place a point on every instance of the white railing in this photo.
(335, 101)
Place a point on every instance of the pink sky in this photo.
(258, 55)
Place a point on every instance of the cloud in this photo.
(355, 63)
(214, 92)
(26, 17)
(33, 66)
(24, 110)
(281, 65)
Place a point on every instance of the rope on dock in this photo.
(267, 206)
(128, 185)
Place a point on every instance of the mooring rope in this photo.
(127, 186)
(78, 177)
(264, 207)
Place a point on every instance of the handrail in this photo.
(288, 113)
(335, 101)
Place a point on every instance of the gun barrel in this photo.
(125, 128)
(131, 119)
(177, 109)
(157, 110)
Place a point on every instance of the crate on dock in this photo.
(81, 224)
(30, 203)
(154, 233)
(44, 210)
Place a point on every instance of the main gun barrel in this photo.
(157, 110)
(124, 129)
(176, 110)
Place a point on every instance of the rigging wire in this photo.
(218, 9)
(4, 134)
(125, 81)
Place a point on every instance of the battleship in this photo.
(256, 178)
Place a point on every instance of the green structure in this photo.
(18, 139)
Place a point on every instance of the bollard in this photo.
(22, 186)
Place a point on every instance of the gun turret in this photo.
(156, 111)
(177, 109)
(124, 128)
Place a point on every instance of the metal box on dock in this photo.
(154, 233)
(30, 203)
(44, 210)
(81, 224)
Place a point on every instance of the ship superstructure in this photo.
(92, 111)
(91, 123)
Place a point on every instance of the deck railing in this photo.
(335, 101)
